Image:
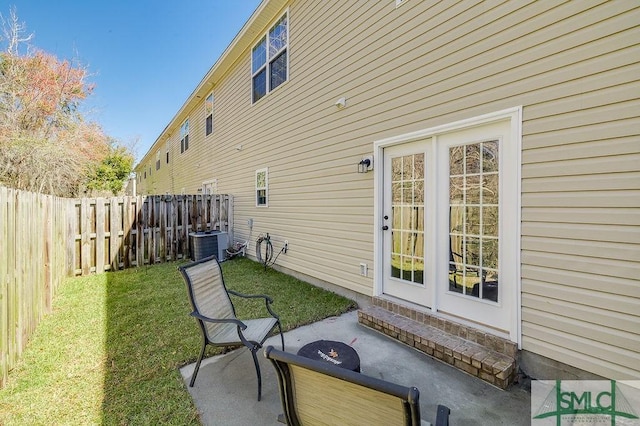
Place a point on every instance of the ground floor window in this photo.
(262, 180)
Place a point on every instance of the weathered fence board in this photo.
(116, 233)
(43, 239)
(32, 265)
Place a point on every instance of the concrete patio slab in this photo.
(225, 392)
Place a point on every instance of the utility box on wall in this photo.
(208, 243)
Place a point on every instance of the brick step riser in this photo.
(470, 357)
(487, 340)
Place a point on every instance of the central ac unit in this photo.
(208, 243)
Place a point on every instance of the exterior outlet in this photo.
(364, 269)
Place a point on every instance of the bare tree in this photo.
(46, 144)
(13, 32)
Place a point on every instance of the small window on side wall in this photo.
(208, 113)
(184, 136)
(262, 190)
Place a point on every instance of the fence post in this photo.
(101, 235)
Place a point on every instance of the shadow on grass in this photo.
(150, 335)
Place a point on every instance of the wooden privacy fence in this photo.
(32, 265)
(44, 239)
(120, 232)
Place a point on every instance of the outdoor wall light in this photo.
(341, 103)
(366, 164)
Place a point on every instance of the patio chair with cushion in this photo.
(314, 392)
(216, 315)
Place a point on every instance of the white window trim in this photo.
(266, 67)
(266, 187)
(513, 217)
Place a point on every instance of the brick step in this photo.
(493, 366)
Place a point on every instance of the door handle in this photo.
(385, 227)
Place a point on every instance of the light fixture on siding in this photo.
(341, 103)
(366, 164)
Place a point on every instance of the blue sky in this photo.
(145, 57)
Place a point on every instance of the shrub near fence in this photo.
(43, 239)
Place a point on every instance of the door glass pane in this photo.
(407, 221)
(473, 220)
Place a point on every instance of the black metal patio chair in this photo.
(318, 393)
(216, 315)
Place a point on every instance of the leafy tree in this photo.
(46, 144)
(111, 173)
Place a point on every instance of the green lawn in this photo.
(110, 351)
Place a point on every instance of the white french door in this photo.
(448, 208)
(404, 223)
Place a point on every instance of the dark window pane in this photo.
(395, 265)
(261, 197)
(209, 124)
(490, 285)
(186, 142)
(418, 270)
(278, 70)
(259, 85)
(259, 55)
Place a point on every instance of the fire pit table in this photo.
(336, 353)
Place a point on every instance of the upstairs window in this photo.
(262, 182)
(269, 60)
(158, 160)
(208, 113)
(184, 136)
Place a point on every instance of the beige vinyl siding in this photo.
(581, 201)
(573, 67)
